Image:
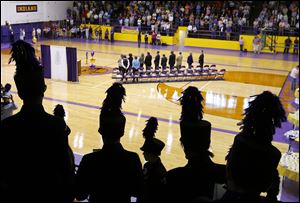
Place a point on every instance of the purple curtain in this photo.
(72, 64)
(46, 60)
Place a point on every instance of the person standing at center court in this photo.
(201, 60)
(156, 60)
(172, 59)
(190, 60)
(179, 61)
(153, 170)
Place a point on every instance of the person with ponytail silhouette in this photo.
(252, 160)
(199, 176)
(35, 161)
(153, 170)
(111, 174)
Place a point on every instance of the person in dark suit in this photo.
(164, 60)
(201, 59)
(35, 162)
(153, 170)
(198, 177)
(172, 59)
(111, 174)
(287, 45)
(130, 58)
(190, 60)
(156, 60)
(148, 61)
(252, 160)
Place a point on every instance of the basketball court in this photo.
(247, 75)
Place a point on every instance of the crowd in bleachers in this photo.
(38, 164)
(280, 16)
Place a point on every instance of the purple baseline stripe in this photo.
(129, 113)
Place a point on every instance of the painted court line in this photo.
(129, 113)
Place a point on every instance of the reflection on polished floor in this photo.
(225, 100)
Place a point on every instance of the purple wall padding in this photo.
(46, 60)
(72, 64)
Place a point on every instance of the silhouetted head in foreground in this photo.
(195, 132)
(263, 115)
(191, 102)
(151, 146)
(112, 120)
(59, 111)
(29, 76)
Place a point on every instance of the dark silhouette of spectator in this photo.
(156, 60)
(287, 45)
(252, 160)
(164, 60)
(172, 59)
(154, 171)
(296, 46)
(190, 60)
(111, 174)
(139, 39)
(59, 111)
(198, 177)
(148, 61)
(45, 173)
(201, 60)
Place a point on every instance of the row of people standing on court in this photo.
(125, 64)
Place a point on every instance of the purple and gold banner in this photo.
(26, 8)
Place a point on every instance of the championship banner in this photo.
(26, 8)
(129, 30)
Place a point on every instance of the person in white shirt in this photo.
(190, 28)
(294, 75)
(135, 67)
(38, 31)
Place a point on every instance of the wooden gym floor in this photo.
(246, 75)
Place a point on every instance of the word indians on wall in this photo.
(26, 8)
